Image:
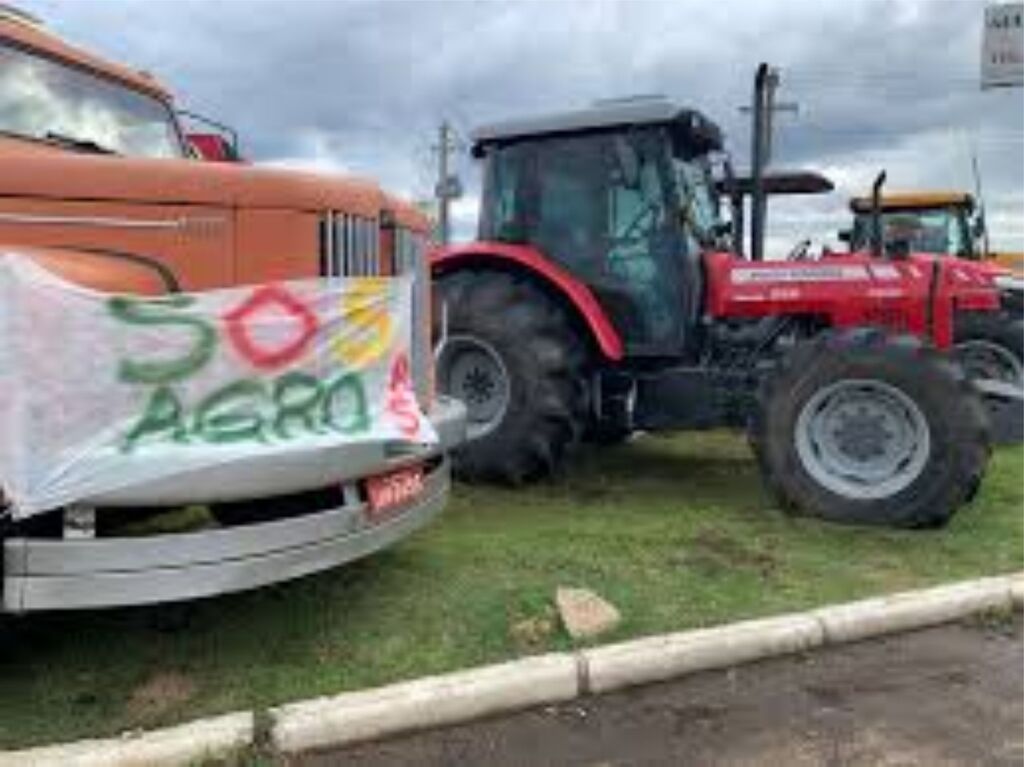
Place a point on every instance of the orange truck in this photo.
(100, 185)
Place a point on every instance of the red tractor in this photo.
(602, 298)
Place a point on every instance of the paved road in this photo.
(944, 696)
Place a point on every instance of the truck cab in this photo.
(101, 187)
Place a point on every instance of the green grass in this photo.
(677, 532)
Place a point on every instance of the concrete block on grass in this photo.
(671, 655)
(428, 702)
(913, 609)
(214, 739)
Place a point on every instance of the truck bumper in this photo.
(47, 574)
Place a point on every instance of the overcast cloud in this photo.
(361, 87)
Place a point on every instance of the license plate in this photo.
(387, 491)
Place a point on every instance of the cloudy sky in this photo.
(361, 86)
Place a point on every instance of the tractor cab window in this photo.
(639, 252)
(599, 206)
(697, 204)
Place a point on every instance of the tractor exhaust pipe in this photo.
(757, 162)
(877, 245)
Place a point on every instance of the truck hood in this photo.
(40, 171)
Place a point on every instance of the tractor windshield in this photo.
(44, 100)
(937, 230)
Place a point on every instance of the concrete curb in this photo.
(423, 703)
(913, 609)
(671, 655)
(466, 695)
(1017, 589)
(192, 743)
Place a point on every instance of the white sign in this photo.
(103, 393)
(746, 276)
(1002, 48)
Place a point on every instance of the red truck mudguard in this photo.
(526, 260)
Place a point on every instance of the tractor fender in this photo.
(105, 271)
(529, 261)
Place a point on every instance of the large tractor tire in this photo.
(512, 357)
(990, 346)
(863, 428)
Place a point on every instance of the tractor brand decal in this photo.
(785, 294)
(100, 392)
(816, 273)
(884, 272)
(886, 293)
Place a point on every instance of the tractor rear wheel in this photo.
(864, 428)
(511, 356)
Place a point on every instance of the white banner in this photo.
(1002, 48)
(101, 392)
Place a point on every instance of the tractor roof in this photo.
(689, 125)
(779, 182)
(915, 201)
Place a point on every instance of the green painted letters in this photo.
(348, 417)
(232, 413)
(163, 311)
(162, 417)
(296, 396)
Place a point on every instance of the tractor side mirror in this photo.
(213, 147)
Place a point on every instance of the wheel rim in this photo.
(862, 439)
(989, 361)
(472, 370)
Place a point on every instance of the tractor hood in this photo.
(37, 170)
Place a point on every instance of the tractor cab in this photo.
(621, 197)
(944, 223)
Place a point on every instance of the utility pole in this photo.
(448, 187)
(762, 109)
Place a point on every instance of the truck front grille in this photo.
(411, 258)
(349, 246)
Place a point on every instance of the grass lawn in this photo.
(675, 531)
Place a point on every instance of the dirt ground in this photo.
(944, 696)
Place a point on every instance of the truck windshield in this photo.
(42, 99)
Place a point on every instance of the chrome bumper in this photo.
(42, 574)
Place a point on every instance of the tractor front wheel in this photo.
(990, 345)
(863, 428)
(511, 356)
